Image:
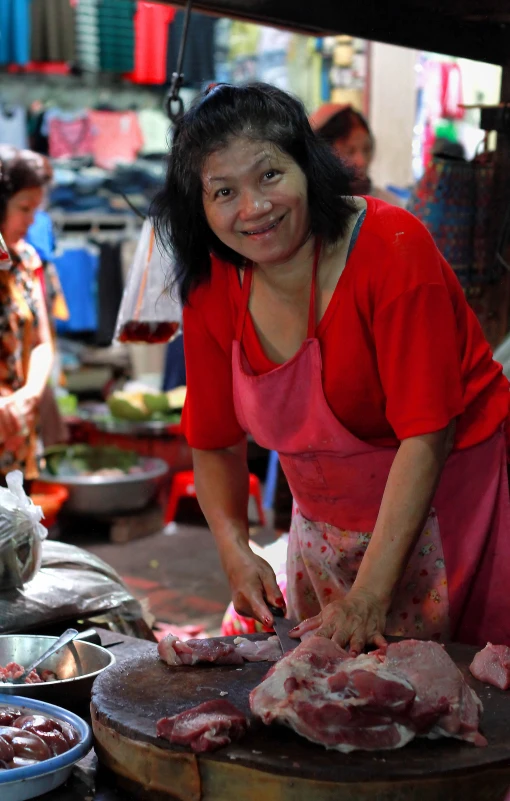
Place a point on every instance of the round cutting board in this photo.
(274, 763)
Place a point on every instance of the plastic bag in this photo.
(21, 534)
(148, 312)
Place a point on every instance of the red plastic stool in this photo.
(183, 486)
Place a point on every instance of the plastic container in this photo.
(51, 498)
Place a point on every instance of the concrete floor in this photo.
(178, 574)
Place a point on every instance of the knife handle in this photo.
(276, 611)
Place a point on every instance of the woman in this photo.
(331, 330)
(26, 352)
(347, 131)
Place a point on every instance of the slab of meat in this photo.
(492, 666)
(175, 652)
(25, 744)
(375, 701)
(444, 706)
(259, 650)
(206, 727)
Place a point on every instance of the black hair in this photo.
(19, 170)
(261, 112)
(341, 125)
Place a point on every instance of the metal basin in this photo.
(106, 495)
(76, 666)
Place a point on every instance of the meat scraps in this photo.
(13, 671)
(374, 701)
(492, 665)
(206, 727)
(174, 652)
(26, 739)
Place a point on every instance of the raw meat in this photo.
(492, 666)
(374, 701)
(206, 727)
(13, 671)
(259, 650)
(26, 738)
(49, 730)
(25, 744)
(175, 652)
(444, 706)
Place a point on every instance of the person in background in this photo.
(348, 132)
(26, 349)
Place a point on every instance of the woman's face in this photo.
(256, 201)
(21, 209)
(356, 151)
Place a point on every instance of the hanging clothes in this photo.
(87, 44)
(117, 35)
(13, 126)
(71, 135)
(110, 287)
(198, 66)
(155, 129)
(151, 42)
(14, 32)
(117, 137)
(52, 23)
(77, 265)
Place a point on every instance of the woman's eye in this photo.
(270, 174)
(223, 193)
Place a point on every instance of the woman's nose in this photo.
(253, 205)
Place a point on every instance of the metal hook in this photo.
(173, 96)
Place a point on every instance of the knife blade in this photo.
(282, 626)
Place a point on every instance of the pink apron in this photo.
(457, 581)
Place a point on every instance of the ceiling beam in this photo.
(391, 21)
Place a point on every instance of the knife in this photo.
(282, 626)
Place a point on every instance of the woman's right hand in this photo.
(253, 584)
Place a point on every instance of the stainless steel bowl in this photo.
(106, 495)
(76, 666)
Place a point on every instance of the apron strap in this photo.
(246, 289)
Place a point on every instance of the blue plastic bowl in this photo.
(20, 784)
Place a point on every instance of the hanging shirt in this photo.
(14, 32)
(52, 31)
(198, 66)
(40, 235)
(402, 352)
(151, 42)
(70, 138)
(155, 128)
(117, 35)
(117, 137)
(77, 267)
(13, 126)
(87, 35)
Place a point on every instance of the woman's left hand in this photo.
(354, 622)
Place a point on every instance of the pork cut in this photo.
(268, 650)
(492, 665)
(206, 727)
(175, 652)
(374, 701)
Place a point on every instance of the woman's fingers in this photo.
(379, 641)
(310, 624)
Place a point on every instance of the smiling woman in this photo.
(332, 330)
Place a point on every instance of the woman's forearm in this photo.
(410, 489)
(39, 369)
(221, 481)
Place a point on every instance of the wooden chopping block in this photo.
(274, 763)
